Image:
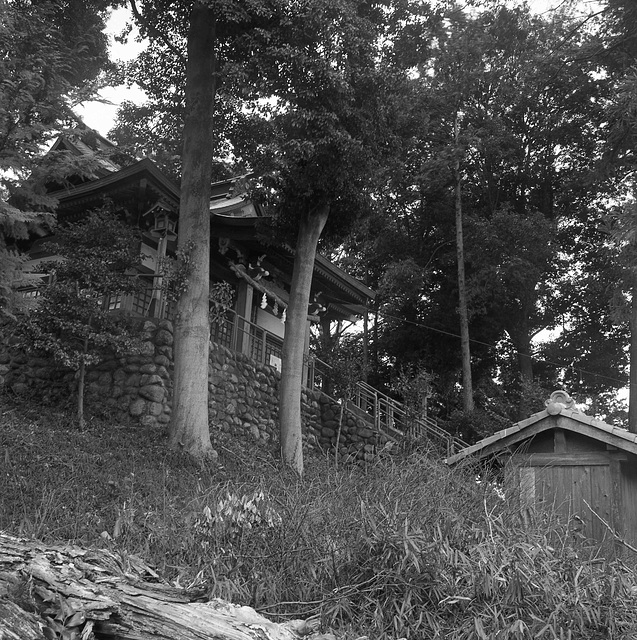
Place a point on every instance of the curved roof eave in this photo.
(145, 166)
(322, 265)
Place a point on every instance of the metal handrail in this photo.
(239, 334)
(388, 415)
(391, 415)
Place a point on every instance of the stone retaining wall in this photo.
(135, 386)
(243, 393)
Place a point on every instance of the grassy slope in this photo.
(404, 548)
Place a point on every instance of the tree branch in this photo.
(154, 31)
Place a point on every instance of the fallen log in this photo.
(71, 593)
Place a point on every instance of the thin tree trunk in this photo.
(310, 229)
(366, 342)
(467, 384)
(632, 393)
(189, 425)
(80, 394)
(81, 375)
(375, 346)
(525, 363)
(337, 453)
(521, 339)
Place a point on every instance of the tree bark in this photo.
(632, 393)
(525, 363)
(189, 425)
(68, 592)
(310, 228)
(366, 342)
(467, 383)
(81, 377)
(521, 339)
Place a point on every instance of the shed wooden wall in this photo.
(563, 485)
(628, 480)
(569, 474)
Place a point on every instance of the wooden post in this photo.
(245, 295)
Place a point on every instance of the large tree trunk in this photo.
(525, 362)
(76, 594)
(310, 229)
(189, 425)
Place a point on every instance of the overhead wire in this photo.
(623, 383)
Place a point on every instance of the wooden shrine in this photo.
(575, 466)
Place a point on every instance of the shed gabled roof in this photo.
(560, 413)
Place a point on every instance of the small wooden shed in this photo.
(576, 466)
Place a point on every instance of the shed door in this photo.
(565, 489)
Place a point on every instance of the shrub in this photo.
(402, 548)
(72, 322)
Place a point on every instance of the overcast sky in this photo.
(101, 116)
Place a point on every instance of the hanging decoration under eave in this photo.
(268, 296)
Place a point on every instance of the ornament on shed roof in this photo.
(560, 400)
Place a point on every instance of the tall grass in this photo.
(401, 548)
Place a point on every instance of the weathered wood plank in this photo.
(563, 459)
(80, 593)
(18, 624)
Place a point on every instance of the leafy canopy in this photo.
(95, 266)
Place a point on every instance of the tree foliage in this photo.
(53, 56)
(73, 321)
(347, 108)
(532, 110)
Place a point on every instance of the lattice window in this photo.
(141, 301)
(113, 302)
(256, 343)
(273, 347)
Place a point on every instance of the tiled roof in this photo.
(599, 425)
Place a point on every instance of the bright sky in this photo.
(101, 115)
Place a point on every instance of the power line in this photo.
(493, 346)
